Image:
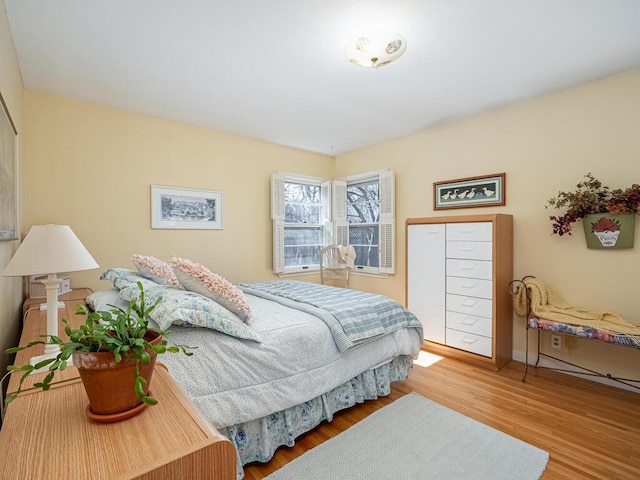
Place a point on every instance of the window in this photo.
(364, 218)
(305, 219)
(299, 212)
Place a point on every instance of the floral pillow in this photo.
(123, 277)
(179, 307)
(155, 269)
(151, 291)
(199, 279)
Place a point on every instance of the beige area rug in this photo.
(416, 438)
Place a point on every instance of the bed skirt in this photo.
(258, 440)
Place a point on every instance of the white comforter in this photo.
(234, 381)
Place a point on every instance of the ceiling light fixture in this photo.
(375, 49)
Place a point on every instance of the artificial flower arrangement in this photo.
(592, 197)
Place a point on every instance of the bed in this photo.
(299, 357)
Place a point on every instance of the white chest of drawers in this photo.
(458, 272)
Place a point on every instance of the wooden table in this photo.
(46, 435)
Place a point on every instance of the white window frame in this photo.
(334, 214)
(386, 223)
(278, 214)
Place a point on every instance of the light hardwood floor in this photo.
(591, 431)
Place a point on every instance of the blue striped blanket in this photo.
(353, 317)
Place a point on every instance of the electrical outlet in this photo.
(556, 342)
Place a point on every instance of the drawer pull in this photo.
(467, 267)
(469, 285)
(469, 341)
(469, 303)
(434, 231)
(469, 321)
(467, 249)
(467, 230)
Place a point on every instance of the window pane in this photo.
(365, 240)
(298, 213)
(301, 245)
(363, 202)
(302, 203)
(368, 212)
(363, 191)
(301, 193)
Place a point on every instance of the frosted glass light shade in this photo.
(49, 249)
(375, 49)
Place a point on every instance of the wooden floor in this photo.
(591, 431)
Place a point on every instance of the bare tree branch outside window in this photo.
(363, 215)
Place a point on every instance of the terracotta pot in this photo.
(110, 384)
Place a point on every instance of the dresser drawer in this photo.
(480, 231)
(479, 307)
(470, 324)
(469, 342)
(470, 250)
(470, 287)
(470, 268)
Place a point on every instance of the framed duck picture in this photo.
(484, 191)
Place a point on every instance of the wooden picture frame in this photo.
(8, 175)
(483, 191)
(185, 208)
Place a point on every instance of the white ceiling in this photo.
(274, 69)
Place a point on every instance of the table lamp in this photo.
(49, 249)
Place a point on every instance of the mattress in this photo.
(233, 380)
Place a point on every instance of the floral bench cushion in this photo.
(584, 331)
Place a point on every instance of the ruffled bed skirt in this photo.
(258, 440)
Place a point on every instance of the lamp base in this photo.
(43, 306)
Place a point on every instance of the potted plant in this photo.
(115, 352)
(608, 215)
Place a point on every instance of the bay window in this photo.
(309, 213)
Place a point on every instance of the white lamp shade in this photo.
(49, 249)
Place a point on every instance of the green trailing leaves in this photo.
(125, 333)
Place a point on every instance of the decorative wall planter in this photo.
(609, 230)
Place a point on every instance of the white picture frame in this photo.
(8, 175)
(185, 208)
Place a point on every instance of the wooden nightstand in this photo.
(46, 435)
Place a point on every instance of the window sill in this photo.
(299, 273)
(364, 273)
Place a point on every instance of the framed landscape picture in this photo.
(185, 208)
(484, 191)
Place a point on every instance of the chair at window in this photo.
(336, 261)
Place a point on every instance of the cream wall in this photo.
(92, 167)
(11, 289)
(544, 145)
